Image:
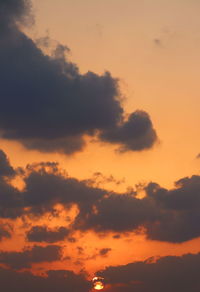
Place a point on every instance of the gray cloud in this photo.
(104, 251)
(59, 281)
(166, 215)
(44, 234)
(5, 168)
(135, 134)
(169, 273)
(25, 258)
(46, 103)
(12, 11)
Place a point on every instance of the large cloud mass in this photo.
(24, 259)
(60, 281)
(166, 215)
(47, 105)
(166, 274)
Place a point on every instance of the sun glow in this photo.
(98, 283)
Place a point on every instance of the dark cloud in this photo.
(104, 251)
(5, 231)
(11, 201)
(118, 213)
(44, 234)
(12, 11)
(59, 281)
(45, 189)
(165, 215)
(24, 259)
(46, 103)
(5, 168)
(180, 211)
(169, 273)
(135, 134)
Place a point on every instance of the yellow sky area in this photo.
(160, 77)
(155, 53)
(157, 164)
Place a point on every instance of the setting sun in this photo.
(98, 283)
(99, 286)
(99, 145)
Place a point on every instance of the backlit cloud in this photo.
(168, 273)
(46, 103)
(165, 215)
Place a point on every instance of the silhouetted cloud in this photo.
(135, 134)
(44, 234)
(5, 168)
(25, 258)
(11, 201)
(104, 251)
(165, 215)
(59, 281)
(46, 103)
(170, 273)
(5, 231)
(12, 11)
(180, 211)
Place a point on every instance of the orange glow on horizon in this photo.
(98, 283)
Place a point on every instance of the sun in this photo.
(98, 286)
(98, 283)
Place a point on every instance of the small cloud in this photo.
(104, 251)
(158, 42)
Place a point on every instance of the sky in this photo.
(100, 145)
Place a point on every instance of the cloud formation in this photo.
(60, 281)
(29, 256)
(5, 231)
(165, 215)
(5, 168)
(46, 103)
(44, 234)
(168, 273)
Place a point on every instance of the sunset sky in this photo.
(100, 145)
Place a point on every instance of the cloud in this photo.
(168, 273)
(60, 281)
(158, 42)
(117, 213)
(46, 103)
(11, 201)
(24, 259)
(45, 189)
(5, 168)
(167, 215)
(198, 156)
(135, 134)
(170, 215)
(44, 234)
(12, 11)
(180, 211)
(5, 231)
(104, 251)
